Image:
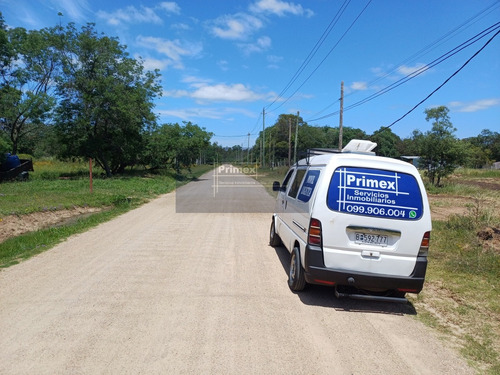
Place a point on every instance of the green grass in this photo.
(55, 185)
(266, 176)
(462, 284)
(16, 249)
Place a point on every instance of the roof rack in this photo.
(322, 151)
(355, 146)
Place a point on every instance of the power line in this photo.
(328, 54)
(422, 52)
(313, 51)
(418, 72)
(469, 22)
(441, 85)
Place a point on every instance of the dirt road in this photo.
(157, 291)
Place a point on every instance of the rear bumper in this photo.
(317, 273)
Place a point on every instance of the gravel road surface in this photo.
(197, 290)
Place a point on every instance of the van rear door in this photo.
(377, 220)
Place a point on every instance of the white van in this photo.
(355, 221)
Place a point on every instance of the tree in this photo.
(475, 156)
(488, 140)
(388, 143)
(106, 101)
(176, 146)
(439, 149)
(28, 62)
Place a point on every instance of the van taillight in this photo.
(424, 245)
(314, 237)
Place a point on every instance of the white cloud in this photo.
(273, 59)
(279, 8)
(474, 106)
(130, 14)
(74, 9)
(235, 27)
(170, 7)
(409, 70)
(175, 93)
(203, 91)
(262, 44)
(213, 113)
(189, 113)
(196, 81)
(180, 26)
(175, 50)
(151, 64)
(221, 92)
(223, 65)
(359, 86)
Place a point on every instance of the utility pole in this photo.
(296, 139)
(341, 117)
(289, 141)
(248, 150)
(263, 137)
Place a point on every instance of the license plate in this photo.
(372, 239)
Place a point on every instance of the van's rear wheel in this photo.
(274, 239)
(296, 279)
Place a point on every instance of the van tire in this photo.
(274, 239)
(296, 279)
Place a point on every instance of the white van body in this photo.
(354, 220)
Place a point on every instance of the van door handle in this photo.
(300, 226)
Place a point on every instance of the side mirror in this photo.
(276, 186)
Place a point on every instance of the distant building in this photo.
(496, 165)
(415, 160)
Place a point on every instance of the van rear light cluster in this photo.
(314, 237)
(424, 245)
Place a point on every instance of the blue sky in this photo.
(224, 61)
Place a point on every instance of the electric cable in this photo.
(422, 52)
(441, 85)
(417, 72)
(327, 55)
(313, 51)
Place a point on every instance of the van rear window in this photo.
(375, 192)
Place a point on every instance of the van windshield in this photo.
(375, 192)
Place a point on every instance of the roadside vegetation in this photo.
(57, 186)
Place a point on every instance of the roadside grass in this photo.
(56, 185)
(266, 176)
(461, 296)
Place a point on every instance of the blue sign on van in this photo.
(308, 185)
(375, 192)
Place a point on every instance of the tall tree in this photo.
(29, 61)
(106, 100)
(440, 150)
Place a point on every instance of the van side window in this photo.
(308, 186)
(294, 189)
(287, 179)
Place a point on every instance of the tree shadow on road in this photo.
(317, 295)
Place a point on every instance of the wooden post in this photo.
(341, 117)
(289, 141)
(90, 173)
